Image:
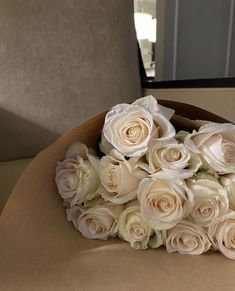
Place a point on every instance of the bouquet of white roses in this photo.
(151, 185)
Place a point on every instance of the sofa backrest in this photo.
(61, 62)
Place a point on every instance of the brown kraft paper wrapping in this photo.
(40, 250)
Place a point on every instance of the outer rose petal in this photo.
(187, 238)
(164, 203)
(132, 227)
(99, 222)
(222, 234)
(150, 104)
(129, 128)
(76, 177)
(211, 200)
(215, 143)
(118, 184)
(115, 133)
(228, 181)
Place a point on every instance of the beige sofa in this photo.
(61, 62)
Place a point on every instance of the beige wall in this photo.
(220, 101)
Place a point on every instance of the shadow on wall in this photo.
(20, 138)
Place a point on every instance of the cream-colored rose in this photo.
(118, 185)
(76, 178)
(98, 222)
(222, 234)
(129, 127)
(210, 198)
(171, 159)
(163, 203)
(133, 228)
(167, 155)
(187, 238)
(215, 143)
(228, 181)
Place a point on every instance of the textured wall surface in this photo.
(61, 62)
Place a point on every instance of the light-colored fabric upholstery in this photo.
(61, 62)
(220, 101)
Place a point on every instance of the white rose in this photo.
(215, 143)
(210, 200)
(98, 222)
(163, 203)
(187, 238)
(76, 178)
(129, 128)
(118, 185)
(132, 228)
(171, 159)
(228, 181)
(222, 234)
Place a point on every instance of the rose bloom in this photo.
(118, 185)
(163, 203)
(98, 222)
(222, 234)
(211, 200)
(76, 178)
(133, 228)
(169, 158)
(187, 238)
(129, 127)
(228, 181)
(215, 143)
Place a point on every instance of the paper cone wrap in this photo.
(41, 251)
